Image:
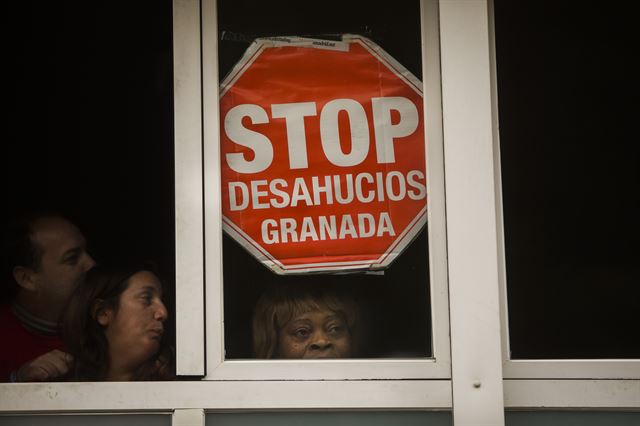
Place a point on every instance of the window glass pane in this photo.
(90, 132)
(394, 312)
(435, 418)
(570, 418)
(80, 420)
(570, 173)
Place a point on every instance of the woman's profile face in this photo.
(135, 329)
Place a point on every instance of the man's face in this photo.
(64, 259)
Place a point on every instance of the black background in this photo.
(568, 104)
(88, 96)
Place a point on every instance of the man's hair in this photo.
(279, 304)
(20, 249)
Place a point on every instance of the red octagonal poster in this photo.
(323, 155)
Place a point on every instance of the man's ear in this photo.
(25, 277)
(102, 314)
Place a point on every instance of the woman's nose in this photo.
(320, 342)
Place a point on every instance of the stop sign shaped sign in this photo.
(322, 155)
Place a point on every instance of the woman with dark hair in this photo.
(114, 327)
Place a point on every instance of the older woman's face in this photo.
(135, 329)
(320, 333)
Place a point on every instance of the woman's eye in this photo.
(335, 329)
(302, 332)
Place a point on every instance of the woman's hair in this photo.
(279, 304)
(84, 336)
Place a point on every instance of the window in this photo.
(569, 201)
(394, 317)
(395, 305)
(568, 192)
(91, 129)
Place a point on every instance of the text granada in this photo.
(320, 228)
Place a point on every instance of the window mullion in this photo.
(471, 214)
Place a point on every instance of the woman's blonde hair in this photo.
(279, 304)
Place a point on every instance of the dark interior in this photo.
(90, 124)
(567, 90)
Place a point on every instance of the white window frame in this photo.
(560, 383)
(218, 368)
(189, 226)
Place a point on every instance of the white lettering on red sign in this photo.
(364, 187)
(294, 114)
